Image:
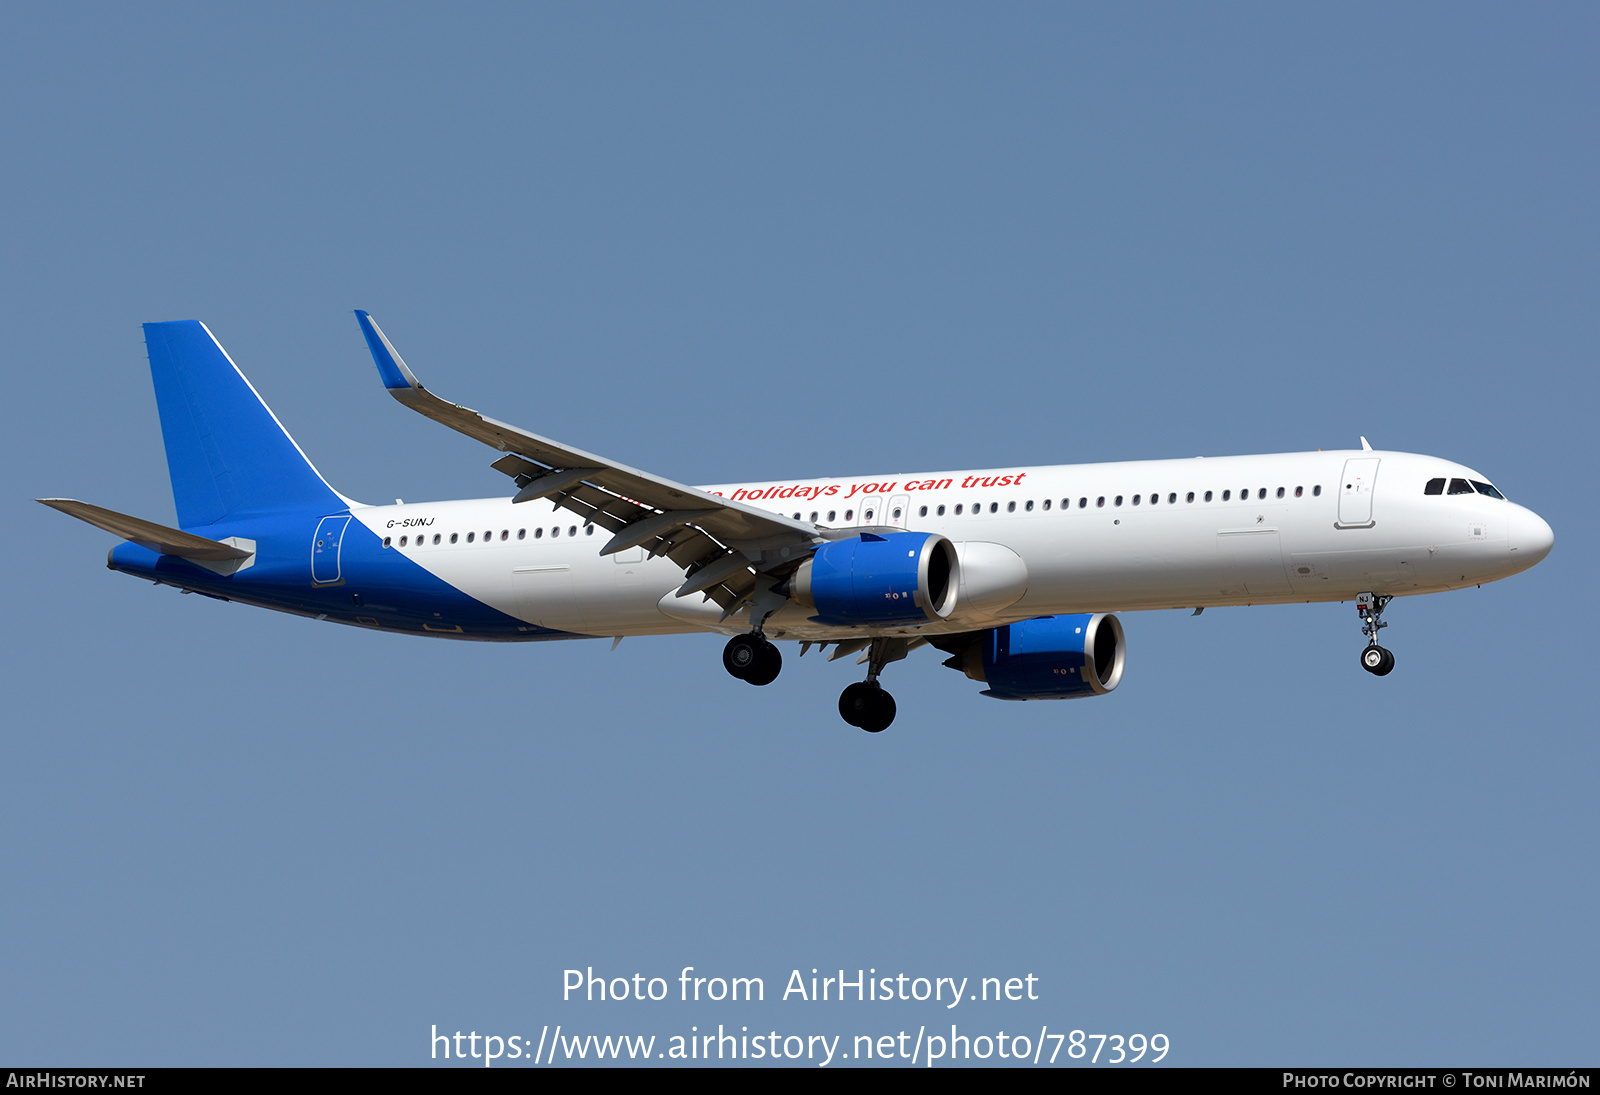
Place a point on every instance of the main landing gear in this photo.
(865, 703)
(1374, 659)
(752, 658)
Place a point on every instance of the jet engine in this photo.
(897, 579)
(1047, 658)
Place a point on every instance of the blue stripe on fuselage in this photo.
(395, 593)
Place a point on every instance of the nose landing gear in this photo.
(1377, 660)
(1374, 659)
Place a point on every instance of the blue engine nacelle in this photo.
(897, 579)
(1048, 658)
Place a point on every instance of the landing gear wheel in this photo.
(867, 705)
(881, 714)
(739, 657)
(769, 663)
(855, 701)
(752, 659)
(1377, 661)
(1374, 659)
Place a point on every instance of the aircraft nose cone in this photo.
(1530, 537)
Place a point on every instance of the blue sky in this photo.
(735, 242)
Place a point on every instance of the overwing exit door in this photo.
(899, 511)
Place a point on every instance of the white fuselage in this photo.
(1320, 526)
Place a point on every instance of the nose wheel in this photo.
(1377, 661)
(1374, 659)
(752, 659)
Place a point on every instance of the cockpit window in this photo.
(1435, 486)
(1485, 488)
(1460, 486)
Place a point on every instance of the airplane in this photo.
(1016, 574)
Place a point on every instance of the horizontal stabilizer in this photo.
(148, 534)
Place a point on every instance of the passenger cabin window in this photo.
(1136, 499)
(385, 541)
(994, 507)
(1173, 498)
(1100, 501)
(1046, 503)
(1227, 495)
(522, 534)
(436, 537)
(940, 511)
(1208, 496)
(538, 534)
(1190, 498)
(958, 509)
(1316, 491)
(454, 537)
(1083, 503)
(1029, 506)
(1460, 486)
(1011, 507)
(922, 512)
(1485, 488)
(1280, 492)
(1298, 491)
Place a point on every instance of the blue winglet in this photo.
(390, 367)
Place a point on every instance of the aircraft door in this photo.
(1355, 492)
(325, 550)
(898, 512)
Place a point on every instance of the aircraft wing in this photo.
(705, 534)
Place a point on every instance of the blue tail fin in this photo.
(226, 451)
